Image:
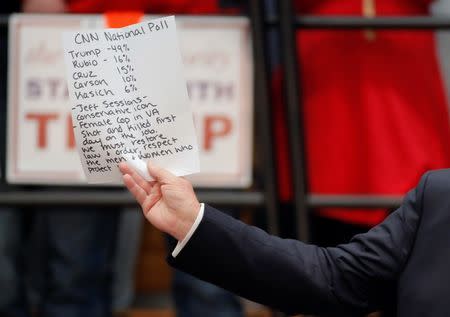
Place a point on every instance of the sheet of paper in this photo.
(129, 100)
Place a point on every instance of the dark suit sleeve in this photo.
(295, 277)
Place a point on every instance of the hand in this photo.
(169, 202)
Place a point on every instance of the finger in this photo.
(138, 193)
(126, 169)
(153, 197)
(160, 174)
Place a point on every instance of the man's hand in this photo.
(169, 203)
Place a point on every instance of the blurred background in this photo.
(314, 118)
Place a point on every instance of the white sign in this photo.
(216, 54)
(129, 100)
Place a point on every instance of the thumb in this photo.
(160, 174)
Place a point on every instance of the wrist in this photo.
(185, 224)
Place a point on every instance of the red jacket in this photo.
(375, 113)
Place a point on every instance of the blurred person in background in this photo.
(374, 117)
(192, 297)
(74, 248)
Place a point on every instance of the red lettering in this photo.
(70, 133)
(215, 127)
(42, 120)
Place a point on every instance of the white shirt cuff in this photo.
(181, 244)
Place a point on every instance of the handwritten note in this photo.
(129, 100)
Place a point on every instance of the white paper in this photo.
(129, 100)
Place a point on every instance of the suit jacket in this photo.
(402, 264)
